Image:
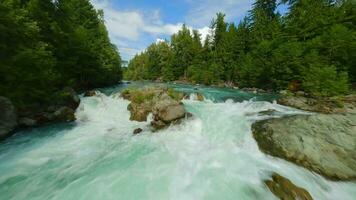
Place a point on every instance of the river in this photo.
(211, 156)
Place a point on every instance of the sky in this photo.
(135, 24)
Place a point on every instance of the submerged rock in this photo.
(322, 143)
(8, 117)
(137, 131)
(284, 189)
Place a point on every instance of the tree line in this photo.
(47, 45)
(312, 47)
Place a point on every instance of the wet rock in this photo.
(139, 112)
(158, 124)
(346, 104)
(8, 117)
(137, 131)
(284, 189)
(164, 104)
(90, 93)
(268, 112)
(64, 114)
(200, 97)
(168, 110)
(322, 143)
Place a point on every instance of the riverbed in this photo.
(210, 156)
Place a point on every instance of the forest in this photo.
(48, 45)
(312, 48)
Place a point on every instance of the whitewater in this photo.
(210, 156)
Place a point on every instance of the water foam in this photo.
(211, 156)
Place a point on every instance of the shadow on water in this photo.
(35, 135)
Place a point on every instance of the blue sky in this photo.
(134, 24)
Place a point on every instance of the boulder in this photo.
(8, 117)
(284, 189)
(168, 110)
(164, 104)
(322, 143)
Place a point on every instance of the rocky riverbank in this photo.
(327, 105)
(61, 110)
(323, 141)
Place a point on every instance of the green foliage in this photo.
(48, 45)
(140, 96)
(312, 41)
(324, 81)
(174, 94)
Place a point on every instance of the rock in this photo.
(268, 112)
(158, 124)
(8, 117)
(27, 122)
(163, 103)
(301, 94)
(168, 110)
(90, 93)
(139, 112)
(200, 97)
(284, 189)
(261, 91)
(283, 92)
(137, 131)
(323, 105)
(125, 94)
(322, 143)
(64, 114)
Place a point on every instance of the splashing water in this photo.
(211, 156)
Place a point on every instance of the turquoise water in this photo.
(211, 156)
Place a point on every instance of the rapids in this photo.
(211, 156)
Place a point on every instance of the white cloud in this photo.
(205, 31)
(159, 40)
(133, 30)
(132, 24)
